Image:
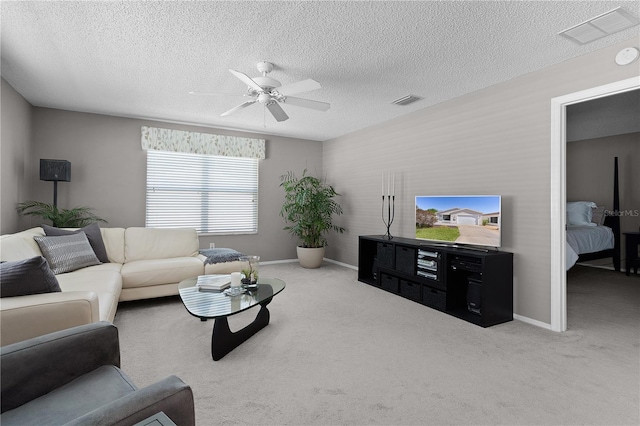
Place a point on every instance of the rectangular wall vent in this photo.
(603, 25)
(406, 100)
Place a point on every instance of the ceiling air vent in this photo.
(603, 25)
(406, 100)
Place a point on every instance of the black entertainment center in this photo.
(471, 284)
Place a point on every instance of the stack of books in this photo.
(213, 282)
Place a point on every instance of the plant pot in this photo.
(310, 258)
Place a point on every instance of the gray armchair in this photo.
(72, 377)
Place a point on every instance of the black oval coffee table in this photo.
(219, 306)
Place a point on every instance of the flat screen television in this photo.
(472, 220)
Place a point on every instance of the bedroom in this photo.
(598, 131)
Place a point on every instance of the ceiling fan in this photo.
(270, 92)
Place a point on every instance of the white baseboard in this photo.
(346, 265)
(532, 321)
(273, 262)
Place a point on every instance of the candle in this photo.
(383, 184)
(389, 184)
(235, 279)
(394, 185)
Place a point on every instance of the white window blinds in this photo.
(215, 195)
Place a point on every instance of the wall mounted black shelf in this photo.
(470, 284)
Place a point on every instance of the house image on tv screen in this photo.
(457, 216)
(472, 219)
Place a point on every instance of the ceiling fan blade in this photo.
(247, 80)
(276, 110)
(299, 86)
(216, 94)
(307, 103)
(239, 107)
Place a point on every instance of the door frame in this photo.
(559, 189)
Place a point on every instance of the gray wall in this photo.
(108, 173)
(15, 155)
(590, 174)
(493, 141)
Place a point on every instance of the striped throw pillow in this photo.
(67, 253)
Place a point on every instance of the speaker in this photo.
(474, 296)
(55, 170)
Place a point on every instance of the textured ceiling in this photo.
(140, 59)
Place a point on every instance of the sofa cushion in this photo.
(104, 280)
(151, 243)
(113, 239)
(80, 396)
(28, 276)
(67, 252)
(144, 273)
(93, 235)
(21, 245)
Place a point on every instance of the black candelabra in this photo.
(391, 212)
(389, 200)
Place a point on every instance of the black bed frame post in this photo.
(611, 220)
(616, 218)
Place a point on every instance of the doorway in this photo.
(559, 189)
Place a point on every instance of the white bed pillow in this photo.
(579, 213)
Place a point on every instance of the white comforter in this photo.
(587, 239)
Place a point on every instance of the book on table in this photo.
(213, 282)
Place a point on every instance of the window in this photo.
(214, 194)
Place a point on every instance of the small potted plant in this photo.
(250, 270)
(60, 218)
(308, 209)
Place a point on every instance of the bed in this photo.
(593, 232)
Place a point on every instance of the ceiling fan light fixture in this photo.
(264, 98)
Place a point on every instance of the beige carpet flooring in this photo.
(340, 352)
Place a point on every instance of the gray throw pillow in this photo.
(220, 255)
(28, 276)
(93, 234)
(67, 253)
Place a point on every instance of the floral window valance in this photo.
(157, 139)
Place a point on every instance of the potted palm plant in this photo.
(60, 218)
(308, 210)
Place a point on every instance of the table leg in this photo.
(224, 340)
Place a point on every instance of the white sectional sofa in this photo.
(144, 263)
